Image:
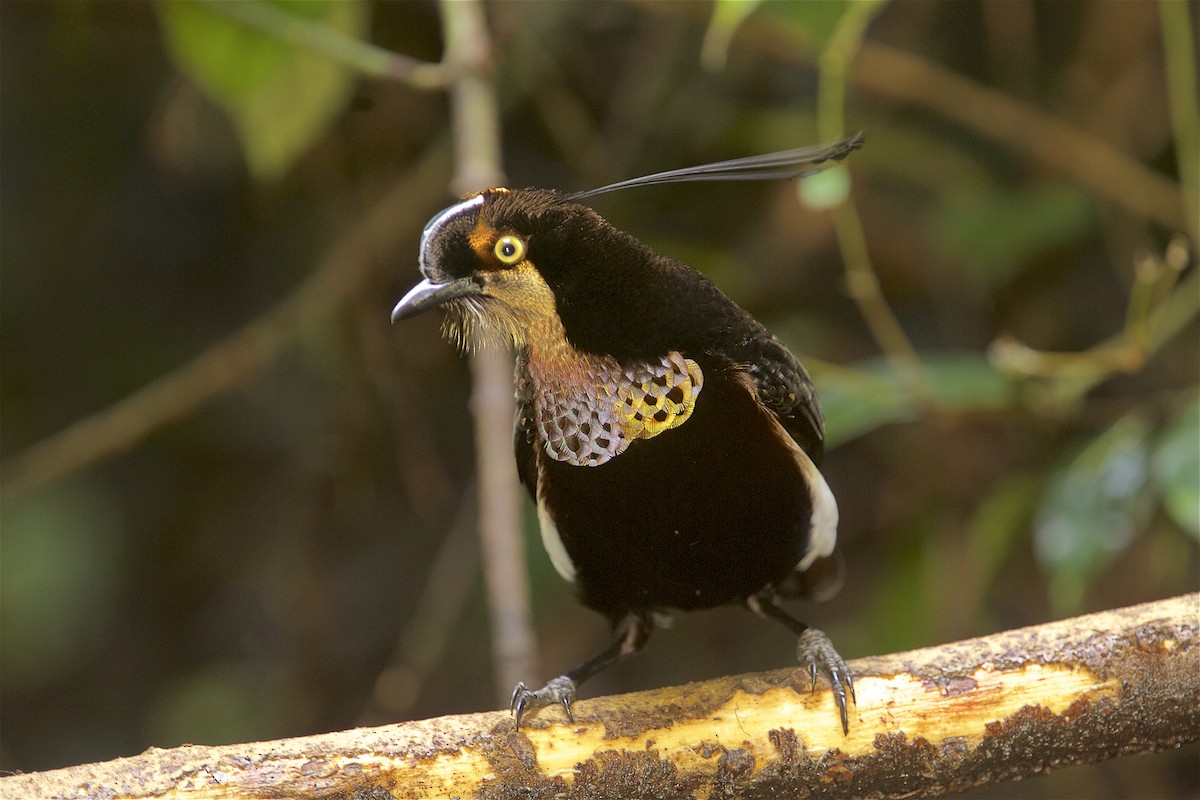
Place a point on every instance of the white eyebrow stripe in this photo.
(435, 224)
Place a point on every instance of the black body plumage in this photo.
(669, 440)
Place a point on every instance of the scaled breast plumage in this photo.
(590, 411)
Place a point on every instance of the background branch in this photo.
(476, 126)
(908, 77)
(862, 281)
(385, 228)
(360, 55)
(240, 570)
(1095, 164)
(975, 712)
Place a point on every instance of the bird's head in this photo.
(502, 263)
(512, 267)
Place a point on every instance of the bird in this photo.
(669, 441)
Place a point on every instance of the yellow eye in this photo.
(509, 249)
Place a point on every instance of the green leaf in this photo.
(966, 382)
(857, 400)
(996, 230)
(901, 611)
(1176, 467)
(280, 96)
(810, 24)
(999, 524)
(60, 568)
(1094, 504)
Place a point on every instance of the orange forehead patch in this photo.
(481, 239)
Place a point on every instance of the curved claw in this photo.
(816, 652)
(560, 690)
(517, 703)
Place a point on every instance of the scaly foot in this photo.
(560, 690)
(816, 653)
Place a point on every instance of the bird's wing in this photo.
(787, 392)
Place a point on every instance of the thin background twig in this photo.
(476, 124)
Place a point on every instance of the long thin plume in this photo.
(783, 165)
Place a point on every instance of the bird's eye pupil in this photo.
(508, 248)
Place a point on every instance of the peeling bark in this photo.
(929, 721)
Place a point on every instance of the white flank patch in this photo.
(562, 562)
(822, 534)
(822, 527)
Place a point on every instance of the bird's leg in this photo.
(629, 636)
(813, 650)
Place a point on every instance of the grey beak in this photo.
(427, 294)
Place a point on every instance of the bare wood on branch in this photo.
(947, 718)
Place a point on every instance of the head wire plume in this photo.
(783, 165)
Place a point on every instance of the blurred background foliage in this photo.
(208, 210)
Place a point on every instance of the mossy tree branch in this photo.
(975, 712)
